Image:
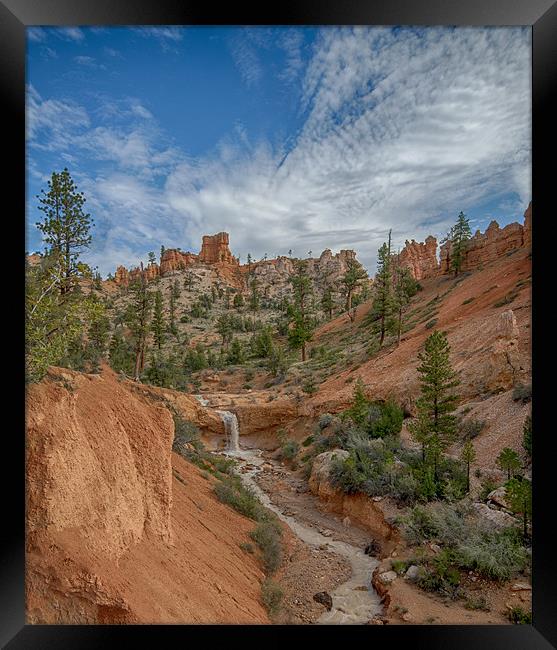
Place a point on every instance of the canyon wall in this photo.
(119, 528)
(483, 248)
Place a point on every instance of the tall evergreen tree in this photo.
(301, 330)
(66, 227)
(383, 302)
(351, 280)
(404, 288)
(327, 302)
(519, 494)
(139, 316)
(158, 326)
(459, 235)
(509, 461)
(435, 425)
(468, 456)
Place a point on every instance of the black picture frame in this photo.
(541, 15)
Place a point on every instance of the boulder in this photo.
(323, 598)
(387, 577)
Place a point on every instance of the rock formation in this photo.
(214, 250)
(421, 258)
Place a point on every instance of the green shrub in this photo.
(506, 300)
(247, 547)
(527, 435)
(468, 301)
(522, 393)
(271, 594)
(307, 441)
(324, 421)
(241, 498)
(477, 602)
(441, 575)
(431, 323)
(520, 617)
(268, 537)
(486, 488)
(471, 428)
(290, 449)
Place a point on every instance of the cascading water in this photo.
(232, 430)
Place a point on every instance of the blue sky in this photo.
(287, 138)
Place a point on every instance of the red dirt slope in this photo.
(119, 529)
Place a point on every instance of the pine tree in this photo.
(404, 287)
(527, 435)
(224, 328)
(238, 301)
(66, 227)
(301, 330)
(459, 235)
(254, 297)
(519, 495)
(139, 315)
(468, 456)
(435, 426)
(152, 258)
(158, 325)
(351, 280)
(383, 302)
(509, 461)
(327, 302)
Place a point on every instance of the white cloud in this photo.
(246, 59)
(36, 34)
(70, 33)
(399, 131)
(89, 62)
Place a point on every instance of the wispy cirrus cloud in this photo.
(399, 129)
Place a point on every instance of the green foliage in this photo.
(268, 537)
(522, 393)
(121, 353)
(527, 435)
(459, 235)
(436, 424)
(477, 602)
(328, 302)
(441, 575)
(351, 280)
(65, 228)
(509, 461)
(431, 323)
(519, 616)
(471, 428)
(236, 355)
(271, 594)
(309, 387)
(158, 326)
(185, 432)
(238, 301)
(519, 495)
(290, 449)
(376, 419)
(473, 543)
(242, 499)
(301, 321)
(383, 303)
(262, 343)
(166, 371)
(324, 421)
(487, 487)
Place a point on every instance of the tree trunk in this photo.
(303, 351)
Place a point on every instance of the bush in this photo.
(520, 617)
(477, 602)
(241, 498)
(497, 554)
(324, 421)
(486, 488)
(271, 594)
(468, 301)
(471, 428)
(290, 449)
(247, 547)
(268, 535)
(527, 435)
(431, 323)
(522, 393)
(441, 575)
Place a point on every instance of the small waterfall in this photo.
(232, 430)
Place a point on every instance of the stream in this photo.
(352, 604)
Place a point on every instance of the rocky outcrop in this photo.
(120, 529)
(273, 276)
(483, 248)
(175, 260)
(420, 258)
(491, 245)
(358, 507)
(214, 250)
